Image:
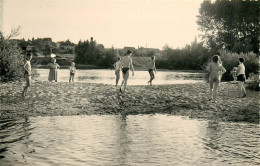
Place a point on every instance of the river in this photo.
(140, 78)
(127, 140)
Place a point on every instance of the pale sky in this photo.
(110, 22)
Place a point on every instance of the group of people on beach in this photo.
(125, 64)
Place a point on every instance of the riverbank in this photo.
(64, 99)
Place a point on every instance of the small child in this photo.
(27, 74)
(118, 67)
(72, 72)
(234, 73)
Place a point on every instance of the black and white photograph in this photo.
(129, 82)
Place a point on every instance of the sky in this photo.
(117, 23)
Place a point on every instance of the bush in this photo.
(230, 60)
(11, 58)
(253, 82)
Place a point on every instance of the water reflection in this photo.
(126, 140)
(122, 139)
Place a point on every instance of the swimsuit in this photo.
(241, 77)
(125, 69)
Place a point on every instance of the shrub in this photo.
(253, 82)
(11, 58)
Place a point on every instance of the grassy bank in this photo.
(64, 99)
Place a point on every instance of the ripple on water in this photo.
(127, 140)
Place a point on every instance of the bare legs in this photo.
(71, 78)
(241, 89)
(28, 84)
(124, 82)
(151, 77)
(24, 93)
(117, 79)
(213, 89)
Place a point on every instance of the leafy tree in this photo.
(11, 58)
(81, 52)
(109, 58)
(47, 50)
(191, 57)
(232, 25)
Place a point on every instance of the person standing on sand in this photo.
(216, 70)
(151, 68)
(126, 64)
(27, 74)
(72, 72)
(53, 73)
(241, 77)
(117, 67)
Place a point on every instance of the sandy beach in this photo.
(64, 99)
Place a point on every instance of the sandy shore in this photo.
(62, 99)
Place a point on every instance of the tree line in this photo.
(89, 52)
(229, 29)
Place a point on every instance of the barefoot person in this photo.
(27, 74)
(216, 70)
(241, 77)
(151, 68)
(126, 64)
(72, 72)
(117, 67)
(53, 73)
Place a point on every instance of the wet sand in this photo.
(64, 99)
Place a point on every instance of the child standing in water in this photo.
(117, 67)
(72, 72)
(27, 74)
(151, 68)
(127, 64)
(241, 77)
(216, 70)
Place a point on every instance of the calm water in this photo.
(140, 78)
(127, 140)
